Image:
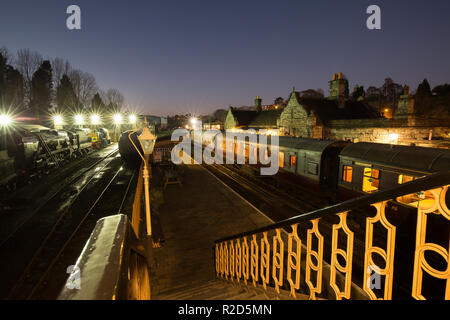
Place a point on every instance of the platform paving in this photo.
(193, 216)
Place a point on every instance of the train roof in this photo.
(419, 159)
(306, 144)
(34, 127)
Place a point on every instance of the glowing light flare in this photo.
(5, 120)
(132, 118)
(193, 121)
(58, 120)
(117, 119)
(392, 137)
(95, 119)
(79, 119)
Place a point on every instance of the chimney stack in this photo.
(258, 104)
(338, 87)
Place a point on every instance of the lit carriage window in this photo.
(347, 174)
(292, 161)
(371, 180)
(404, 179)
(414, 198)
(281, 159)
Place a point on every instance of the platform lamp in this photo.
(147, 140)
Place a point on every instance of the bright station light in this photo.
(132, 118)
(58, 120)
(5, 120)
(79, 119)
(117, 119)
(393, 137)
(95, 119)
(193, 121)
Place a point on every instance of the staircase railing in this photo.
(392, 244)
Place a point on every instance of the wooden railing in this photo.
(385, 252)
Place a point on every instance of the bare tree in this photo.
(114, 99)
(84, 85)
(6, 55)
(27, 62)
(60, 67)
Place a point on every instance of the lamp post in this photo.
(147, 140)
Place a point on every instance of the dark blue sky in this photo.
(196, 56)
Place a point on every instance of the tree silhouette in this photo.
(423, 98)
(66, 99)
(41, 89)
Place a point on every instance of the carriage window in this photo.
(292, 162)
(347, 174)
(312, 168)
(425, 199)
(404, 179)
(371, 180)
(281, 159)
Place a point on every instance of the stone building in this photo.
(340, 118)
(253, 119)
(307, 117)
(403, 128)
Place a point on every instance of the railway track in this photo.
(7, 230)
(34, 248)
(276, 204)
(54, 277)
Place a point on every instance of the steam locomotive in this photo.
(26, 149)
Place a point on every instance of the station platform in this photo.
(194, 215)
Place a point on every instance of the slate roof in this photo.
(327, 109)
(244, 117)
(266, 118)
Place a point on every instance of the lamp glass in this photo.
(147, 140)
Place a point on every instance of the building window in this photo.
(371, 180)
(292, 161)
(281, 159)
(347, 174)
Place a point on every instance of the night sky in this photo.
(195, 56)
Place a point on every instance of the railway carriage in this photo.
(369, 167)
(315, 160)
(356, 167)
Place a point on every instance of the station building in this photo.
(337, 117)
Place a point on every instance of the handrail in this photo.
(112, 265)
(425, 183)
(277, 259)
